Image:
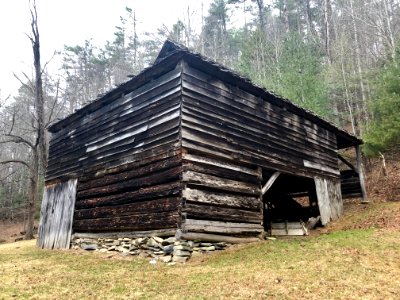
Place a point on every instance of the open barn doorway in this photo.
(288, 204)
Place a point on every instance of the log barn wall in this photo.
(227, 134)
(226, 121)
(126, 156)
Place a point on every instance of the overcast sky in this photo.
(70, 22)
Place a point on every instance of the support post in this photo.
(360, 169)
(259, 171)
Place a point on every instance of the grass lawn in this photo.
(361, 263)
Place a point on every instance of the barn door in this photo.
(330, 201)
(56, 215)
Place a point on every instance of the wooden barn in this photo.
(189, 146)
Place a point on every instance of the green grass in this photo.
(350, 264)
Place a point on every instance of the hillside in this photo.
(356, 257)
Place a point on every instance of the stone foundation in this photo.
(156, 248)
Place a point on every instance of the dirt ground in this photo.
(11, 231)
(381, 186)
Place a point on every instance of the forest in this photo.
(337, 58)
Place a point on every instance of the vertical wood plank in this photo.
(360, 169)
(323, 199)
(57, 211)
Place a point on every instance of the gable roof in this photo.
(171, 53)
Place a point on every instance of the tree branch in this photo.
(17, 139)
(54, 104)
(47, 62)
(30, 88)
(4, 162)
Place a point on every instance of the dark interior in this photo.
(290, 199)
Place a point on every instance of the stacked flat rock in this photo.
(165, 250)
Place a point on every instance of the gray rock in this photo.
(182, 243)
(220, 246)
(89, 247)
(182, 247)
(210, 248)
(153, 243)
(206, 244)
(181, 253)
(168, 241)
(168, 249)
(158, 239)
(142, 240)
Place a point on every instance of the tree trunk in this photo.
(32, 197)
(261, 16)
(39, 100)
(358, 63)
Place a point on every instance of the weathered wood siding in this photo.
(56, 215)
(126, 156)
(227, 122)
(330, 201)
(226, 134)
(129, 128)
(220, 197)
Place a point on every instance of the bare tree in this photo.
(38, 89)
(35, 143)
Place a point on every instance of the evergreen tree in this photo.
(384, 132)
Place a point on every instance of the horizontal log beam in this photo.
(159, 177)
(127, 234)
(132, 173)
(152, 206)
(206, 212)
(137, 222)
(221, 199)
(209, 181)
(153, 192)
(221, 227)
(206, 237)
